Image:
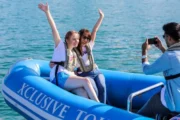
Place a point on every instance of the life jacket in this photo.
(172, 94)
(83, 67)
(66, 64)
(176, 46)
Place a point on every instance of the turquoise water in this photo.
(24, 31)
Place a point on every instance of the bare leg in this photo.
(80, 92)
(74, 82)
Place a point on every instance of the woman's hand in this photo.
(56, 36)
(101, 13)
(44, 7)
(97, 25)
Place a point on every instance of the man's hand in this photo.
(51, 64)
(159, 45)
(146, 46)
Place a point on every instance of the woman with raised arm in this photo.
(65, 60)
(87, 66)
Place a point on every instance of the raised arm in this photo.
(56, 36)
(97, 25)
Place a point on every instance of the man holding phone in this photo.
(168, 99)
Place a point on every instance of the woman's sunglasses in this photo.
(85, 37)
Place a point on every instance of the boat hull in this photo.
(26, 89)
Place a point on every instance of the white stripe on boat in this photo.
(28, 104)
(20, 107)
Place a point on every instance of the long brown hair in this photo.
(81, 33)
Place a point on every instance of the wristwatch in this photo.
(144, 56)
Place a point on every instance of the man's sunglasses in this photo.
(164, 36)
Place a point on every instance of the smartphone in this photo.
(152, 41)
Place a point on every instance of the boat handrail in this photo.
(134, 94)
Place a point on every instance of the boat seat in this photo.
(167, 117)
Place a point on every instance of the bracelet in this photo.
(144, 56)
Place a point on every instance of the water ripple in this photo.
(24, 32)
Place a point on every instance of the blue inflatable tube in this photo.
(26, 89)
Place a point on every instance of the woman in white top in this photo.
(66, 78)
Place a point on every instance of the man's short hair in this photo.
(173, 30)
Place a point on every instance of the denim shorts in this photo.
(62, 77)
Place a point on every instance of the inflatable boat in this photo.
(26, 89)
